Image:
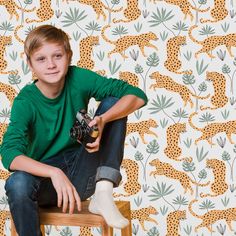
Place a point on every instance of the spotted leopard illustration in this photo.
(218, 12)
(85, 231)
(219, 186)
(173, 221)
(9, 91)
(212, 216)
(4, 174)
(212, 42)
(131, 12)
(21, 41)
(173, 151)
(185, 6)
(4, 215)
(86, 49)
(164, 81)
(210, 130)
(11, 7)
(172, 62)
(125, 42)
(3, 128)
(129, 77)
(166, 169)
(4, 41)
(132, 186)
(98, 7)
(219, 99)
(16, 34)
(143, 214)
(142, 127)
(44, 12)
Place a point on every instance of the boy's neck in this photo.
(50, 90)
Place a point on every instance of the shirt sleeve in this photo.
(15, 140)
(101, 87)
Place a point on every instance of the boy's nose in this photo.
(51, 63)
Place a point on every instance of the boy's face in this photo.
(50, 63)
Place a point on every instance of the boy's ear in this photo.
(70, 57)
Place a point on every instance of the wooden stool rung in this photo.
(54, 216)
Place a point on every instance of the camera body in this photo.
(81, 130)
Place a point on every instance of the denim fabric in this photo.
(26, 192)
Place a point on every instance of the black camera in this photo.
(81, 130)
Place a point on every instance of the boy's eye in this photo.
(58, 56)
(40, 59)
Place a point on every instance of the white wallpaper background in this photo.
(174, 103)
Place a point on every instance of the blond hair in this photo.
(46, 33)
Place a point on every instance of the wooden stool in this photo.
(54, 216)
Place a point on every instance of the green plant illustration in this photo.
(161, 191)
(200, 154)
(160, 104)
(26, 4)
(6, 27)
(5, 113)
(226, 70)
(190, 80)
(113, 67)
(14, 79)
(190, 167)
(66, 232)
(152, 61)
(4, 202)
(152, 148)
(160, 17)
(73, 17)
(180, 26)
(93, 26)
(227, 158)
(180, 201)
(181, 114)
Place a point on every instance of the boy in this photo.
(50, 168)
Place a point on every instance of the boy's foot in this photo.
(103, 204)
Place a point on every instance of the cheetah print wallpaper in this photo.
(179, 170)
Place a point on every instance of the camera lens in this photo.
(80, 133)
(73, 133)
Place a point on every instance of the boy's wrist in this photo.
(103, 118)
(52, 171)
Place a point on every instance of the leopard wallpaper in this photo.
(179, 170)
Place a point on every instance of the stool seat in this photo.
(84, 218)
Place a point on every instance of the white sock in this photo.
(103, 204)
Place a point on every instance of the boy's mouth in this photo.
(52, 73)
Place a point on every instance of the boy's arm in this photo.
(66, 192)
(101, 87)
(122, 108)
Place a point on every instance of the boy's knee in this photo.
(106, 104)
(20, 185)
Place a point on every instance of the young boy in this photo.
(50, 168)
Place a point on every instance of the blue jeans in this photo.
(27, 192)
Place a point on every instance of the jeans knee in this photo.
(20, 186)
(106, 104)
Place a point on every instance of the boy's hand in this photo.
(93, 147)
(66, 192)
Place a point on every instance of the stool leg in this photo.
(127, 231)
(13, 229)
(110, 231)
(107, 231)
(42, 230)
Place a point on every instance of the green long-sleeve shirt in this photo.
(39, 127)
